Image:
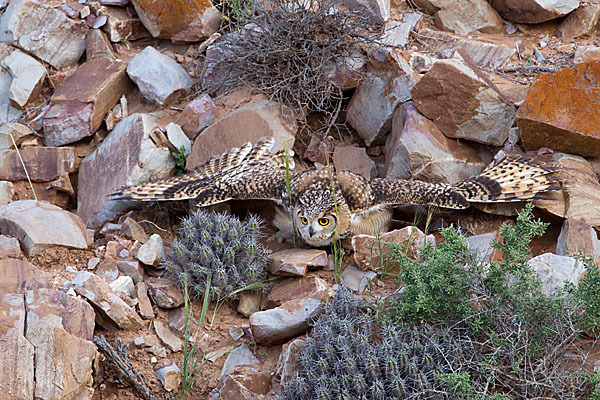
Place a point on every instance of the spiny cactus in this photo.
(348, 356)
(221, 247)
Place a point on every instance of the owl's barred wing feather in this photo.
(400, 191)
(248, 172)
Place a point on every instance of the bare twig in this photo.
(527, 68)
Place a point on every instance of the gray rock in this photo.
(165, 293)
(387, 83)
(378, 11)
(249, 303)
(533, 11)
(107, 269)
(482, 244)
(124, 285)
(241, 355)
(132, 269)
(356, 279)
(466, 17)
(21, 219)
(159, 78)
(416, 148)
(284, 322)
(7, 191)
(43, 31)
(177, 137)
(169, 374)
(153, 251)
(128, 156)
(580, 22)
(296, 261)
(146, 341)
(289, 360)
(554, 271)
(28, 76)
(167, 336)
(9, 247)
(577, 235)
(8, 113)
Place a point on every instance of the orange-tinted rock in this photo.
(561, 111)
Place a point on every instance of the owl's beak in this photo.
(310, 231)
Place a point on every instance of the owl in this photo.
(322, 205)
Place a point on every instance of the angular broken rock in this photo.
(98, 46)
(554, 271)
(356, 279)
(43, 164)
(131, 269)
(128, 157)
(197, 115)
(288, 363)
(14, 133)
(386, 84)
(80, 103)
(294, 289)
(144, 306)
(169, 374)
(462, 105)
(319, 149)
(134, 231)
(482, 245)
(21, 219)
(183, 21)
(123, 285)
(587, 53)
(19, 276)
(153, 251)
(9, 247)
(416, 148)
(178, 138)
(165, 293)
(354, 159)
(122, 25)
(109, 304)
(580, 22)
(241, 355)
(561, 119)
(28, 76)
(371, 251)
(44, 31)
(466, 17)
(377, 11)
(160, 78)
(284, 322)
(107, 269)
(296, 261)
(249, 303)
(167, 336)
(533, 11)
(248, 123)
(7, 191)
(576, 236)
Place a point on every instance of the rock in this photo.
(554, 271)
(182, 22)
(561, 119)
(356, 279)
(144, 306)
(71, 9)
(197, 115)
(319, 149)
(218, 353)
(248, 123)
(386, 84)
(7, 191)
(128, 157)
(97, 45)
(19, 132)
(159, 77)
(44, 32)
(482, 245)
(43, 164)
(577, 236)
(462, 105)
(21, 219)
(377, 11)
(249, 303)
(8, 113)
(146, 341)
(131, 269)
(533, 11)
(9, 247)
(167, 336)
(296, 261)
(80, 103)
(107, 269)
(286, 321)
(134, 231)
(396, 33)
(466, 17)
(587, 53)
(580, 22)
(124, 285)
(19, 276)
(354, 159)
(110, 306)
(485, 55)
(416, 148)
(347, 72)
(28, 76)
(176, 318)
(241, 355)
(289, 360)
(250, 377)
(178, 138)
(153, 251)
(295, 289)
(164, 293)
(122, 25)
(234, 390)
(168, 374)
(371, 251)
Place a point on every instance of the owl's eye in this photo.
(323, 221)
(303, 220)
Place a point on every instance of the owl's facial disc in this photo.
(315, 230)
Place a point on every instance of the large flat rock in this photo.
(533, 11)
(43, 164)
(40, 225)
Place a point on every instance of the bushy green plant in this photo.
(588, 295)
(220, 247)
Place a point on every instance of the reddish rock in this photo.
(466, 17)
(248, 123)
(292, 288)
(319, 149)
(197, 115)
(354, 159)
(580, 22)
(107, 269)
(561, 111)
(252, 378)
(182, 20)
(296, 261)
(121, 25)
(371, 251)
(98, 46)
(79, 105)
(9, 247)
(144, 307)
(533, 11)
(577, 236)
(19, 133)
(19, 276)
(42, 163)
(586, 53)
(462, 105)
(347, 72)
(168, 374)
(165, 293)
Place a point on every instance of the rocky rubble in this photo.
(97, 95)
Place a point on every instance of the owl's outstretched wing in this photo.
(513, 179)
(248, 172)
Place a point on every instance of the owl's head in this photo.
(315, 217)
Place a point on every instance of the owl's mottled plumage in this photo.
(327, 204)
